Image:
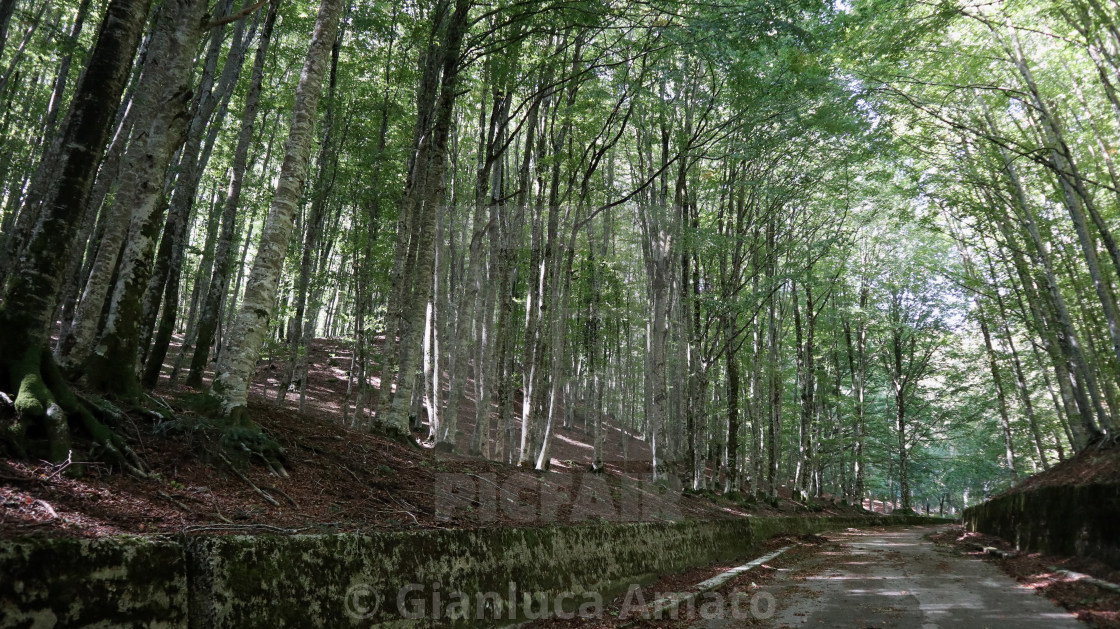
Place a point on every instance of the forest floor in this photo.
(342, 478)
(1094, 464)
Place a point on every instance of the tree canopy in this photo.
(860, 248)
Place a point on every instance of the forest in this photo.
(848, 247)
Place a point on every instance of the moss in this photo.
(32, 394)
(118, 582)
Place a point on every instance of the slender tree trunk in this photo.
(211, 310)
(428, 196)
(235, 367)
(313, 233)
(210, 110)
(1001, 398)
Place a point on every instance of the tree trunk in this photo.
(30, 293)
(219, 282)
(235, 367)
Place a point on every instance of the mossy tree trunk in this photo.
(30, 296)
(163, 95)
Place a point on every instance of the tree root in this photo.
(44, 398)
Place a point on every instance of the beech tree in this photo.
(862, 250)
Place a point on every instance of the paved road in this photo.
(894, 578)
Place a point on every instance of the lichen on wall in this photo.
(125, 582)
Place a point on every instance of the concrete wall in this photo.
(354, 580)
(1081, 521)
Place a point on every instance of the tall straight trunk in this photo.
(898, 386)
(659, 231)
(534, 295)
(162, 98)
(30, 292)
(1076, 198)
(373, 217)
(430, 65)
(63, 77)
(459, 332)
(219, 282)
(50, 148)
(201, 279)
(485, 360)
(85, 248)
(1001, 397)
(754, 407)
(313, 231)
(1023, 390)
(250, 224)
(157, 113)
(235, 367)
(857, 368)
(806, 381)
(1076, 373)
(549, 375)
(426, 197)
(512, 237)
(731, 365)
(210, 108)
(773, 374)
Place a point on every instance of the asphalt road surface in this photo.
(894, 578)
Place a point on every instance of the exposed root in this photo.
(44, 398)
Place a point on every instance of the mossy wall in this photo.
(353, 580)
(1082, 520)
(117, 582)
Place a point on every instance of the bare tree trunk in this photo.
(313, 233)
(219, 282)
(426, 197)
(210, 113)
(162, 98)
(235, 367)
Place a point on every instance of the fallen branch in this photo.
(48, 508)
(245, 478)
(286, 496)
(352, 474)
(992, 550)
(276, 470)
(176, 502)
(60, 468)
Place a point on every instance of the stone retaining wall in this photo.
(1082, 520)
(357, 580)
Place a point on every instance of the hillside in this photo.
(340, 479)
